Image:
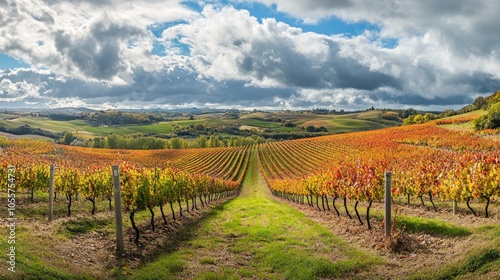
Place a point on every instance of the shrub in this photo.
(489, 121)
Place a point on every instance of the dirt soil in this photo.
(96, 253)
(405, 253)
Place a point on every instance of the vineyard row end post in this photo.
(387, 216)
(51, 193)
(118, 209)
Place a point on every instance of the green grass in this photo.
(165, 268)
(258, 123)
(82, 225)
(473, 113)
(26, 136)
(372, 114)
(207, 260)
(431, 226)
(334, 123)
(163, 127)
(346, 123)
(475, 264)
(104, 131)
(37, 259)
(267, 239)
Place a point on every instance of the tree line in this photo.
(115, 141)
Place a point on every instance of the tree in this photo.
(111, 142)
(480, 103)
(213, 142)
(490, 120)
(408, 112)
(201, 142)
(310, 128)
(68, 138)
(98, 142)
(418, 119)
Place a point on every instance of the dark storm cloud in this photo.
(348, 73)
(281, 62)
(179, 87)
(161, 88)
(413, 99)
(96, 54)
(322, 4)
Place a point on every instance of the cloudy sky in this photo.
(274, 54)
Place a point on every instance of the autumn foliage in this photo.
(425, 160)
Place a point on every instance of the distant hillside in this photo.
(494, 98)
(227, 128)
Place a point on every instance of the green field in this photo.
(84, 129)
(334, 123)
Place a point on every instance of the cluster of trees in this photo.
(275, 119)
(149, 142)
(491, 120)
(198, 129)
(232, 115)
(419, 118)
(479, 103)
(27, 129)
(321, 111)
(312, 128)
(391, 116)
(324, 111)
(121, 118)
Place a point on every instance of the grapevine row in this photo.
(426, 161)
(149, 179)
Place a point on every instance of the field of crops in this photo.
(429, 164)
(425, 160)
(149, 179)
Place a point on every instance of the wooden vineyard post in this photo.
(454, 207)
(118, 209)
(51, 192)
(387, 204)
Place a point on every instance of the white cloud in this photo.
(17, 91)
(83, 39)
(230, 44)
(309, 11)
(102, 53)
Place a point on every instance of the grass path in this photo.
(256, 237)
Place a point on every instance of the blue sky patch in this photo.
(7, 62)
(389, 43)
(328, 26)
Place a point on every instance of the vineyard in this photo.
(431, 166)
(148, 179)
(425, 160)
